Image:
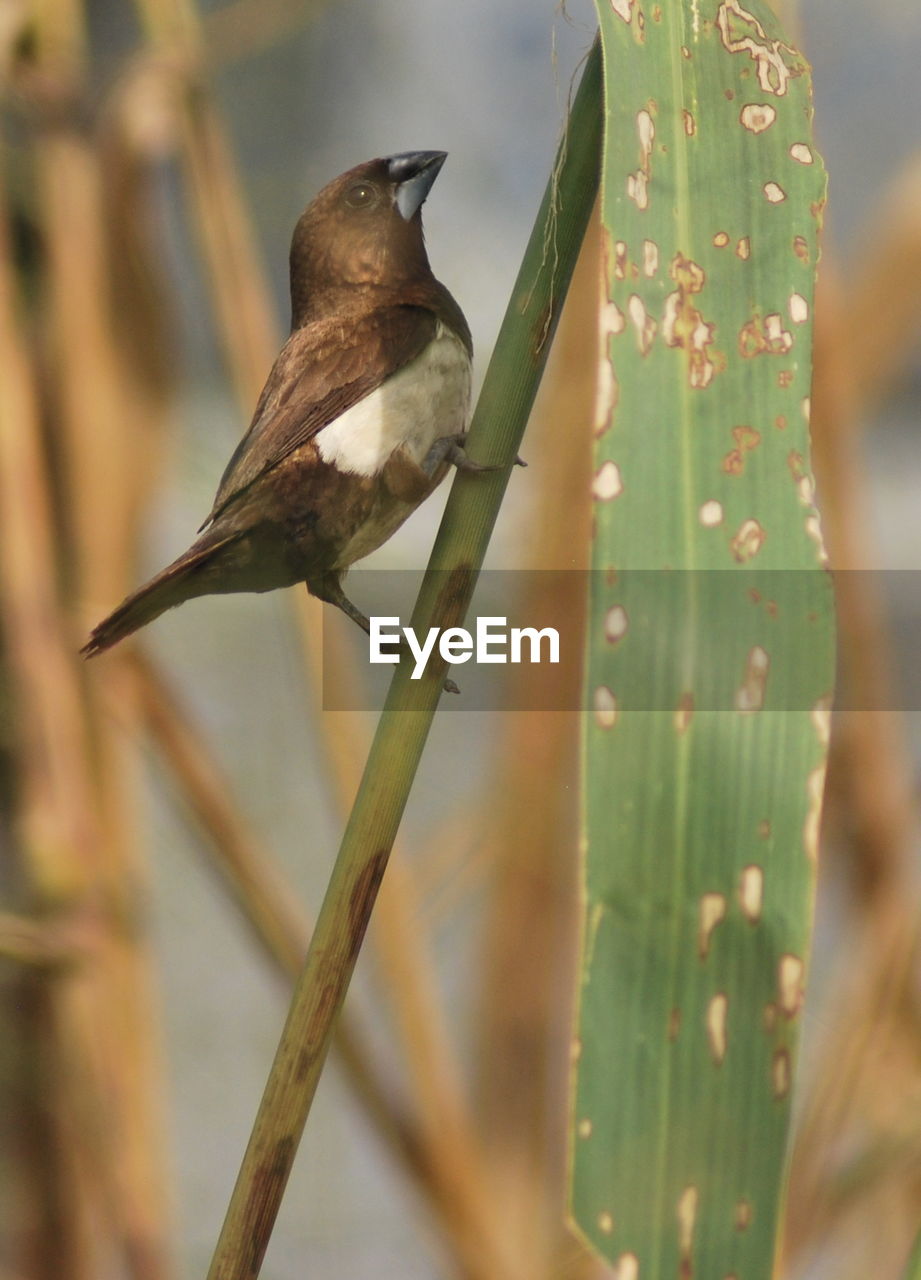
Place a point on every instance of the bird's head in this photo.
(363, 230)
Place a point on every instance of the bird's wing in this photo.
(322, 370)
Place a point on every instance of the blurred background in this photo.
(165, 813)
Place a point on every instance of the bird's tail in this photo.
(178, 582)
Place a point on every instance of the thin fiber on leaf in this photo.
(710, 644)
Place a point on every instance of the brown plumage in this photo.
(363, 411)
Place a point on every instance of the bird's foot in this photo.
(329, 589)
(452, 449)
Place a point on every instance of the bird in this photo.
(364, 411)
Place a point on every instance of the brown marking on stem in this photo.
(362, 898)
(265, 1193)
(453, 597)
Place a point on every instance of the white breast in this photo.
(427, 399)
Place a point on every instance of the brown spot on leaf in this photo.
(757, 116)
(815, 791)
(764, 336)
(790, 970)
(683, 325)
(751, 892)
(741, 32)
(604, 703)
(607, 483)
(684, 713)
(688, 1203)
(620, 260)
(747, 439)
(710, 513)
(716, 1027)
(643, 322)
(743, 1215)
(748, 541)
(615, 624)
(750, 694)
(638, 182)
(711, 910)
(780, 1073)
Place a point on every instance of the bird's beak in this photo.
(414, 172)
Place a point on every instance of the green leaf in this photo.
(913, 1266)
(710, 653)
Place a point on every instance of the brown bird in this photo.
(362, 414)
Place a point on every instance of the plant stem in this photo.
(498, 425)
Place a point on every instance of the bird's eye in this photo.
(361, 196)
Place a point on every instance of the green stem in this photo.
(498, 425)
